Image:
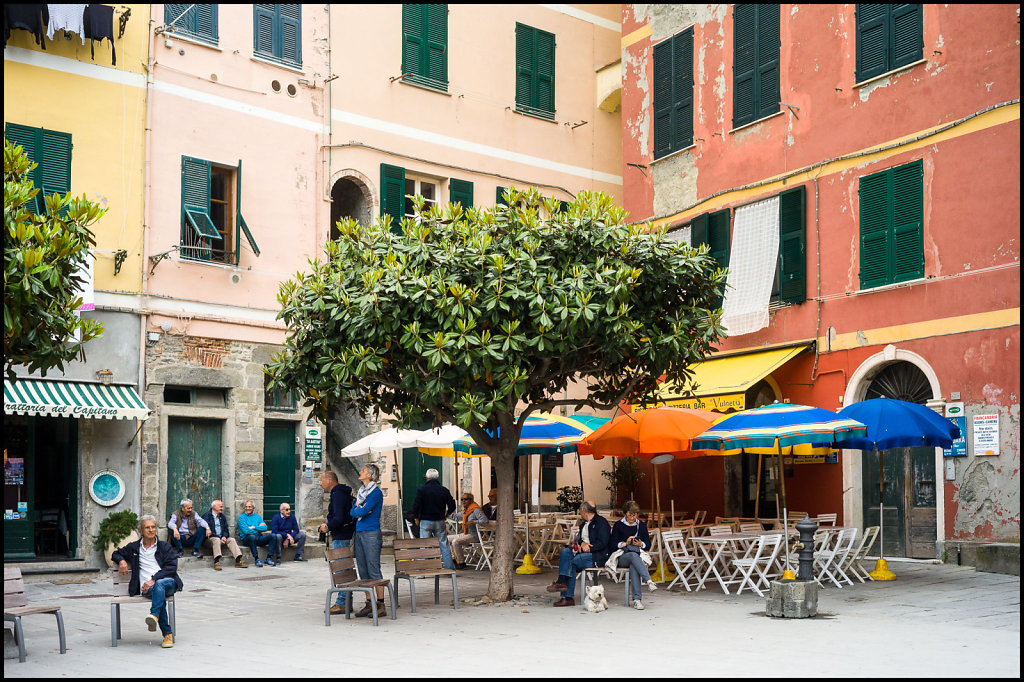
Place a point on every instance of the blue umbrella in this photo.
(896, 424)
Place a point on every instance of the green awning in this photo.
(76, 399)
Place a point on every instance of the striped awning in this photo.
(76, 399)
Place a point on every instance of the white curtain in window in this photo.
(752, 261)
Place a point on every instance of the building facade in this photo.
(857, 168)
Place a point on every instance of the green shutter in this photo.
(662, 98)
(460, 191)
(51, 151)
(412, 39)
(264, 18)
(744, 63)
(874, 230)
(425, 44)
(768, 45)
(682, 90)
(792, 246)
(240, 227)
(195, 199)
(535, 71)
(26, 137)
(906, 33)
(289, 19)
(718, 236)
(436, 43)
(524, 65)
(872, 41)
(206, 22)
(392, 195)
(545, 73)
(499, 196)
(907, 251)
(699, 230)
(200, 22)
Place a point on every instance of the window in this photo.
(198, 22)
(755, 66)
(282, 400)
(277, 33)
(535, 72)
(673, 94)
(52, 151)
(713, 229)
(425, 45)
(425, 188)
(791, 272)
(892, 226)
(212, 225)
(888, 37)
(392, 195)
(460, 192)
(190, 395)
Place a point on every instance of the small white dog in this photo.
(594, 600)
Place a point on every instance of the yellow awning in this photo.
(721, 382)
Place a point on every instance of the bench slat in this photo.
(425, 573)
(13, 586)
(416, 543)
(15, 599)
(29, 610)
(426, 553)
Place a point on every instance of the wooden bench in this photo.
(422, 559)
(16, 606)
(121, 597)
(341, 563)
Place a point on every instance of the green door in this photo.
(414, 470)
(279, 465)
(193, 463)
(19, 487)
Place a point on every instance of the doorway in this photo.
(279, 466)
(349, 199)
(193, 462)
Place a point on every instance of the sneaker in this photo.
(240, 564)
(270, 562)
(151, 622)
(181, 554)
(168, 641)
(651, 586)
(216, 565)
(638, 605)
(259, 564)
(196, 554)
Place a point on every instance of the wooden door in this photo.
(193, 463)
(279, 465)
(19, 486)
(910, 511)
(920, 517)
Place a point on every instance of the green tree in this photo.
(483, 316)
(42, 256)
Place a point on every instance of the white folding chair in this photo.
(829, 561)
(719, 530)
(760, 561)
(484, 549)
(852, 565)
(684, 563)
(751, 528)
(827, 519)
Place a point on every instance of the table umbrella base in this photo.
(882, 571)
(663, 574)
(528, 567)
(788, 575)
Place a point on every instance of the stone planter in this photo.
(132, 537)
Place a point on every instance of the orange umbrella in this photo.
(660, 430)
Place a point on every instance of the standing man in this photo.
(186, 529)
(339, 522)
(473, 520)
(286, 528)
(368, 538)
(154, 567)
(431, 507)
(219, 525)
(250, 532)
(491, 508)
(590, 549)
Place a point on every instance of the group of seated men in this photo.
(187, 529)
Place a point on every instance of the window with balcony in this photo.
(212, 226)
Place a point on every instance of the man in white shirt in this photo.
(154, 568)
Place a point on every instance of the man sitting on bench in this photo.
(251, 527)
(588, 549)
(154, 567)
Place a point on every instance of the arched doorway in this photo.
(908, 475)
(350, 198)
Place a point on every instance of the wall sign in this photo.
(986, 434)
(955, 413)
(314, 444)
(106, 488)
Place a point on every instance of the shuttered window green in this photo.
(713, 229)
(277, 33)
(892, 226)
(198, 22)
(392, 195)
(792, 246)
(425, 45)
(200, 237)
(51, 150)
(240, 227)
(535, 71)
(499, 196)
(460, 191)
(673, 94)
(888, 37)
(755, 66)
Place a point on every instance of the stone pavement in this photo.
(934, 620)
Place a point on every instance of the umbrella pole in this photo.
(480, 471)
(782, 475)
(401, 519)
(881, 571)
(528, 567)
(657, 496)
(672, 499)
(579, 465)
(757, 493)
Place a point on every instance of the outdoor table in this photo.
(713, 547)
(538, 539)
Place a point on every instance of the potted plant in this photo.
(569, 498)
(623, 478)
(117, 530)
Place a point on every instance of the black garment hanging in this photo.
(31, 18)
(99, 24)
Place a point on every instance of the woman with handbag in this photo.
(630, 537)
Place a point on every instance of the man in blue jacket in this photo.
(286, 528)
(590, 550)
(339, 522)
(250, 531)
(431, 507)
(154, 567)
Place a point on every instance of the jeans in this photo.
(337, 544)
(161, 590)
(569, 565)
(300, 543)
(436, 529)
(256, 540)
(638, 574)
(367, 546)
(195, 541)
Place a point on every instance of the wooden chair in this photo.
(121, 597)
(482, 551)
(698, 517)
(16, 605)
(719, 530)
(733, 521)
(751, 528)
(827, 519)
(341, 563)
(793, 517)
(422, 559)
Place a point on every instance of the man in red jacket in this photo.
(154, 567)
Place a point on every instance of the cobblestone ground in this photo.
(934, 620)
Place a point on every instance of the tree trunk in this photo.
(500, 587)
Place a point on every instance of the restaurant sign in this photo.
(830, 458)
(712, 403)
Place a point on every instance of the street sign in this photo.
(314, 444)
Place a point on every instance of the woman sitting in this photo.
(630, 535)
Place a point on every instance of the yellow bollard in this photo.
(663, 574)
(528, 567)
(788, 575)
(882, 571)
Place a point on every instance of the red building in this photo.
(857, 167)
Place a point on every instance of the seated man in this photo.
(187, 529)
(589, 549)
(472, 520)
(286, 529)
(219, 525)
(154, 567)
(490, 509)
(250, 532)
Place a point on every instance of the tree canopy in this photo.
(43, 256)
(481, 316)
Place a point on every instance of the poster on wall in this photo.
(314, 445)
(14, 471)
(955, 414)
(986, 434)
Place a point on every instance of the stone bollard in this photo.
(792, 599)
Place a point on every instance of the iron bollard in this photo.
(806, 528)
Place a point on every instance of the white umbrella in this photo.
(388, 440)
